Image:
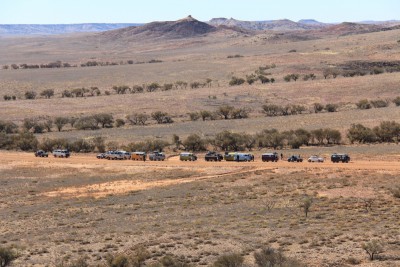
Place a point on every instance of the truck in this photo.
(61, 153)
(236, 156)
(266, 157)
(213, 156)
(138, 156)
(187, 156)
(157, 156)
(335, 158)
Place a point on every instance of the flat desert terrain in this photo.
(55, 211)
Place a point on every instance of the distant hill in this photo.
(275, 25)
(348, 28)
(48, 29)
(183, 28)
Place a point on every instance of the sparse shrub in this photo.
(66, 93)
(331, 107)
(373, 248)
(318, 107)
(268, 257)
(152, 87)
(137, 89)
(107, 92)
(161, 117)
(225, 111)
(236, 81)
(293, 51)
(30, 95)
(379, 103)
(171, 261)
(234, 56)
(240, 113)
(6, 97)
(7, 256)
(287, 78)
(195, 85)
(306, 204)
(148, 145)
(395, 190)
(272, 110)
(250, 79)
(119, 123)
(363, 104)
(48, 124)
(180, 84)
(48, 93)
(310, 76)
(229, 260)
(353, 261)
(167, 86)
(263, 79)
(119, 260)
(194, 116)
(204, 114)
(396, 101)
(122, 89)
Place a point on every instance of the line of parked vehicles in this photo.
(189, 156)
(215, 156)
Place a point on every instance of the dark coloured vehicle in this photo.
(295, 158)
(335, 158)
(266, 157)
(213, 156)
(41, 153)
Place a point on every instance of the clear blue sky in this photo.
(111, 11)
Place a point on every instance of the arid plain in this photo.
(55, 211)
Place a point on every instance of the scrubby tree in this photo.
(137, 89)
(104, 119)
(318, 107)
(205, 115)
(161, 117)
(82, 145)
(60, 122)
(194, 143)
(272, 110)
(373, 248)
(119, 123)
(194, 116)
(361, 134)
(48, 124)
(152, 87)
(86, 123)
(225, 111)
(122, 89)
(26, 141)
(252, 78)
(99, 143)
(137, 118)
(30, 95)
(48, 93)
(388, 131)
(8, 127)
